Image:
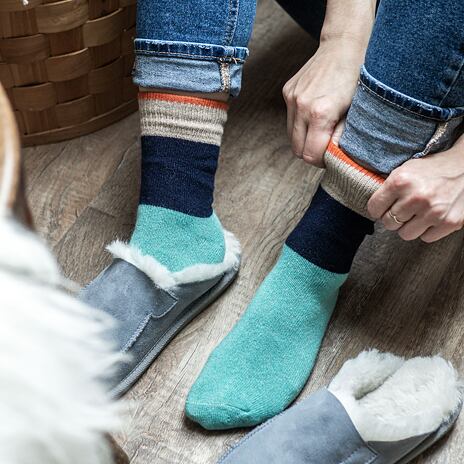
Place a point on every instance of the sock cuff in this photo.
(182, 117)
(346, 181)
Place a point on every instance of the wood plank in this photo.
(62, 179)
(401, 297)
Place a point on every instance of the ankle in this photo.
(178, 240)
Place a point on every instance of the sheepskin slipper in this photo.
(379, 409)
(151, 304)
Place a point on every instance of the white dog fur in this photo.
(54, 408)
(166, 279)
(389, 398)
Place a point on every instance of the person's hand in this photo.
(319, 95)
(426, 196)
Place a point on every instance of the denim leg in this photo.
(192, 45)
(410, 98)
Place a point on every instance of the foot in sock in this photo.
(264, 362)
(181, 137)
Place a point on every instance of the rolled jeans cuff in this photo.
(406, 103)
(190, 67)
(385, 128)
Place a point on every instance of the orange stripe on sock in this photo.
(334, 150)
(170, 97)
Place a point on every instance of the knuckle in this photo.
(438, 212)
(302, 103)
(287, 91)
(453, 222)
(319, 109)
(422, 200)
(400, 179)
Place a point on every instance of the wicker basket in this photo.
(66, 65)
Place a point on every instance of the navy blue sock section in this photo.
(329, 234)
(178, 174)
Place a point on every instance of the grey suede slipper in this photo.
(379, 409)
(151, 304)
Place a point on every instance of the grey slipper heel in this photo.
(151, 305)
(379, 409)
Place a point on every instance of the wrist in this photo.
(347, 44)
(345, 50)
(344, 39)
(349, 21)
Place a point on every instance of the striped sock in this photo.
(181, 137)
(264, 362)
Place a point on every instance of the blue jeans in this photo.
(410, 97)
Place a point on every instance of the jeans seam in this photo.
(451, 86)
(225, 76)
(189, 55)
(402, 108)
(232, 18)
(440, 131)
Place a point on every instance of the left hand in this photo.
(319, 95)
(426, 195)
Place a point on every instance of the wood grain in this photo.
(35, 97)
(25, 49)
(402, 297)
(61, 16)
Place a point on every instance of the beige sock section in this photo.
(182, 117)
(348, 182)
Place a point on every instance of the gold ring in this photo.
(395, 218)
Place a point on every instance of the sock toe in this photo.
(217, 416)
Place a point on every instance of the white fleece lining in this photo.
(166, 279)
(389, 398)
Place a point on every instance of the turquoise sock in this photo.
(264, 362)
(178, 240)
(181, 137)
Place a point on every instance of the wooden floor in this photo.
(407, 298)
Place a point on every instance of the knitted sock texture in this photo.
(265, 361)
(181, 138)
(348, 182)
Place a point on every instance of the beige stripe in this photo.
(197, 123)
(347, 185)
